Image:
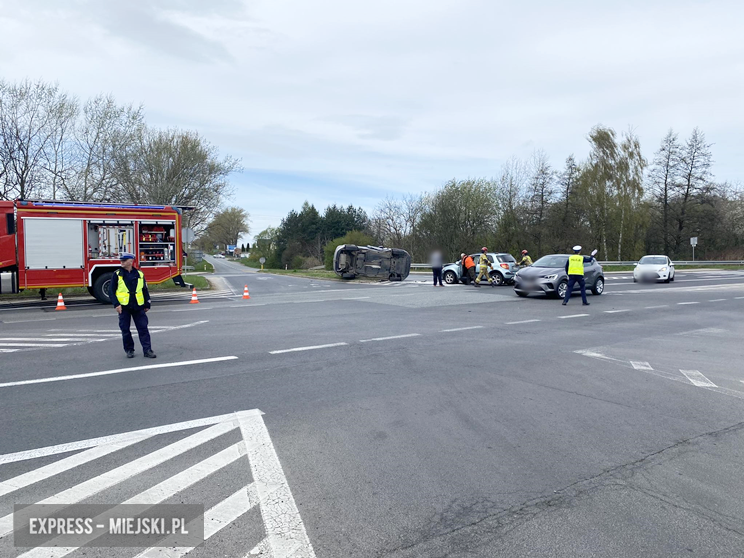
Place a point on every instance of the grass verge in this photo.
(198, 281)
(204, 266)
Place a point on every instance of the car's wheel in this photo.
(497, 278)
(667, 280)
(672, 277)
(520, 293)
(598, 287)
(450, 277)
(101, 287)
(560, 291)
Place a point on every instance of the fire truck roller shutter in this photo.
(53, 243)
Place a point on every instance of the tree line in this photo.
(54, 146)
(615, 200)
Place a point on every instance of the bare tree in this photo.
(106, 129)
(628, 184)
(664, 177)
(541, 192)
(31, 116)
(695, 161)
(174, 167)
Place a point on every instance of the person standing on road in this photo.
(468, 267)
(437, 262)
(526, 260)
(575, 270)
(485, 266)
(129, 295)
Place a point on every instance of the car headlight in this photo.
(550, 277)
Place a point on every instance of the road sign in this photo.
(187, 234)
(693, 241)
(262, 260)
(231, 247)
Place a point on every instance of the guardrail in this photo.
(633, 262)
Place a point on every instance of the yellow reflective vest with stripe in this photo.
(122, 292)
(576, 264)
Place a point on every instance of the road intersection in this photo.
(404, 420)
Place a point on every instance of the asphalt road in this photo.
(399, 420)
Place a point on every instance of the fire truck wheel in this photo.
(101, 287)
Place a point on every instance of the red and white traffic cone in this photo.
(194, 298)
(246, 296)
(61, 303)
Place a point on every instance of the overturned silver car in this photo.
(352, 261)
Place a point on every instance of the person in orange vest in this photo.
(468, 267)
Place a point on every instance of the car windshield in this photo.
(551, 261)
(653, 260)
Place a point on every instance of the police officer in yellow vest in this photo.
(575, 270)
(129, 295)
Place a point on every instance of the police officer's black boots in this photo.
(130, 354)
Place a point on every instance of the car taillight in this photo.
(505, 266)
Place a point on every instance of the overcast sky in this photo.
(347, 101)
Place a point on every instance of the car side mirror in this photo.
(671, 264)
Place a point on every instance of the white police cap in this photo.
(577, 248)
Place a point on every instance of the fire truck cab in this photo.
(54, 244)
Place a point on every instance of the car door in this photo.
(591, 270)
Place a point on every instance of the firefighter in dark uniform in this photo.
(575, 271)
(129, 295)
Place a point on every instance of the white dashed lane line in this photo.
(521, 322)
(616, 311)
(572, 316)
(684, 303)
(659, 306)
(460, 329)
(390, 337)
(310, 348)
(717, 300)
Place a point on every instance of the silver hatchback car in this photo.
(548, 276)
(503, 268)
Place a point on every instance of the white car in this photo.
(654, 268)
(219, 256)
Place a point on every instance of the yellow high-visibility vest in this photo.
(122, 292)
(576, 265)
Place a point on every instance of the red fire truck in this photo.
(54, 244)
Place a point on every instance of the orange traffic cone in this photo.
(61, 303)
(245, 293)
(194, 299)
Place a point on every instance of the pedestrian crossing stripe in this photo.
(285, 534)
(58, 338)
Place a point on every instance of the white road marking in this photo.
(152, 496)
(31, 345)
(28, 321)
(356, 298)
(697, 378)
(97, 484)
(683, 303)
(42, 473)
(37, 339)
(572, 316)
(460, 329)
(659, 306)
(9, 350)
(522, 322)
(117, 438)
(83, 335)
(594, 354)
(616, 311)
(391, 337)
(215, 519)
(738, 297)
(310, 348)
(717, 300)
(640, 365)
(285, 531)
(116, 371)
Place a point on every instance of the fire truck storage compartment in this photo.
(157, 243)
(53, 243)
(107, 240)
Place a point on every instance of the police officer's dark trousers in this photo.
(572, 280)
(139, 316)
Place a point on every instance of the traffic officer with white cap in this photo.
(575, 270)
(129, 295)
